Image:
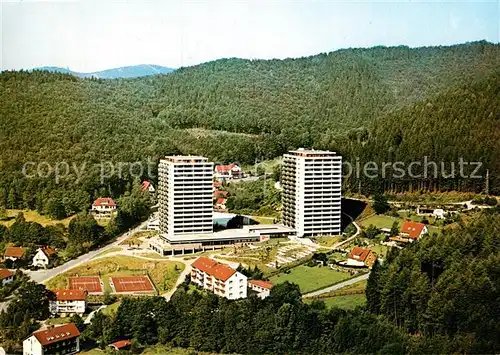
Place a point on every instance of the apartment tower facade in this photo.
(311, 181)
(185, 186)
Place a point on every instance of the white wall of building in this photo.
(311, 183)
(31, 346)
(58, 307)
(40, 259)
(185, 195)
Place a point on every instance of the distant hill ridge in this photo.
(134, 71)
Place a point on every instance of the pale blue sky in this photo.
(94, 35)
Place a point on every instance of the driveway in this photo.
(42, 276)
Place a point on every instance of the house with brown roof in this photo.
(43, 256)
(63, 339)
(412, 231)
(103, 207)
(14, 253)
(147, 186)
(68, 302)
(121, 345)
(220, 203)
(6, 276)
(361, 257)
(263, 288)
(218, 278)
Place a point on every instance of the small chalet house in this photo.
(361, 257)
(220, 203)
(43, 257)
(64, 339)
(121, 345)
(228, 172)
(103, 207)
(147, 186)
(13, 253)
(218, 278)
(68, 302)
(6, 276)
(412, 231)
(263, 288)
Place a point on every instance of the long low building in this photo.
(192, 243)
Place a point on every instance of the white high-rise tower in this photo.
(185, 188)
(311, 182)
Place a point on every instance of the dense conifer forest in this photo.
(379, 104)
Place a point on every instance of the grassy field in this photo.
(112, 308)
(33, 216)
(59, 320)
(109, 251)
(164, 274)
(327, 242)
(263, 219)
(135, 239)
(310, 278)
(345, 302)
(382, 221)
(380, 250)
(379, 221)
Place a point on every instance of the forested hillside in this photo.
(381, 104)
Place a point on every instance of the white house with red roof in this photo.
(413, 231)
(43, 256)
(147, 186)
(219, 278)
(6, 276)
(228, 172)
(68, 302)
(63, 339)
(263, 288)
(220, 203)
(103, 207)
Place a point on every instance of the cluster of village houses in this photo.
(207, 273)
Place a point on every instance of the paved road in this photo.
(338, 286)
(42, 276)
(358, 230)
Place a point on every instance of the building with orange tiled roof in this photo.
(63, 339)
(121, 345)
(361, 257)
(413, 230)
(103, 207)
(68, 302)
(218, 278)
(263, 288)
(13, 253)
(6, 276)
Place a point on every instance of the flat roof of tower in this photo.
(185, 159)
(311, 152)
